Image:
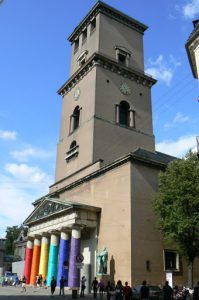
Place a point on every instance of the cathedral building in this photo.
(107, 166)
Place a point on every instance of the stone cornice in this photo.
(111, 12)
(100, 60)
(133, 157)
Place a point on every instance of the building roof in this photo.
(153, 157)
(101, 7)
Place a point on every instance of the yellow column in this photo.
(43, 265)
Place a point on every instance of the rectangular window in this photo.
(76, 45)
(171, 260)
(93, 25)
(84, 35)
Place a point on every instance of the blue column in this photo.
(63, 258)
(53, 258)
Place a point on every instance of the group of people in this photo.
(53, 285)
(112, 292)
(120, 292)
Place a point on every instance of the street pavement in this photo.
(33, 293)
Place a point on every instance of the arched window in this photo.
(124, 113)
(72, 152)
(73, 144)
(76, 114)
(74, 119)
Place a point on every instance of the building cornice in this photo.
(105, 62)
(103, 8)
(130, 157)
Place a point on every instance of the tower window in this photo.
(84, 35)
(82, 58)
(76, 45)
(122, 55)
(74, 123)
(72, 152)
(93, 25)
(124, 113)
(121, 58)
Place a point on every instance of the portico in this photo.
(56, 229)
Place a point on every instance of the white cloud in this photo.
(179, 147)
(8, 135)
(27, 174)
(31, 152)
(191, 9)
(179, 118)
(162, 69)
(18, 189)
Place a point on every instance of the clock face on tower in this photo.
(77, 93)
(125, 89)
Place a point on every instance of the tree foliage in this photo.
(12, 234)
(177, 205)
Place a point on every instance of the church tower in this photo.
(106, 109)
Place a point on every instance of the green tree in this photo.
(12, 234)
(177, 207)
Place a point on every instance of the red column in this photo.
(28, 260)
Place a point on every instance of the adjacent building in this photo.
(107, 166)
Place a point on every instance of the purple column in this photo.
(74, 272)
(63, 258)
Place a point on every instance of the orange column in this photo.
(35, 261)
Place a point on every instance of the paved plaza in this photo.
(33, 293)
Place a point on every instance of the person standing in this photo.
(127, 292)
(167, 291)
(95, 286)
(196, 292)
(119, 290)
(53, 284)
(108, 290)
(83, 286)
(144, 291)
(61, 282)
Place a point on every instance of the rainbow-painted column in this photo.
(63, 258)
(53, 258)
(28, 260)
(74, 272)
(35, 260)
(43, 265)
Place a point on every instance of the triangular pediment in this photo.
(47, 208)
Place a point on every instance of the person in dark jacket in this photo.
(167, 291)
(53, 284)
(144, 291)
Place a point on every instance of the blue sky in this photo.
(34, 63)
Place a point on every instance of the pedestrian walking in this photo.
(53, 284)
(83, 286)
(23, 284)
(167, 291)
(144, 291)
(95, 286)
(61, 282)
